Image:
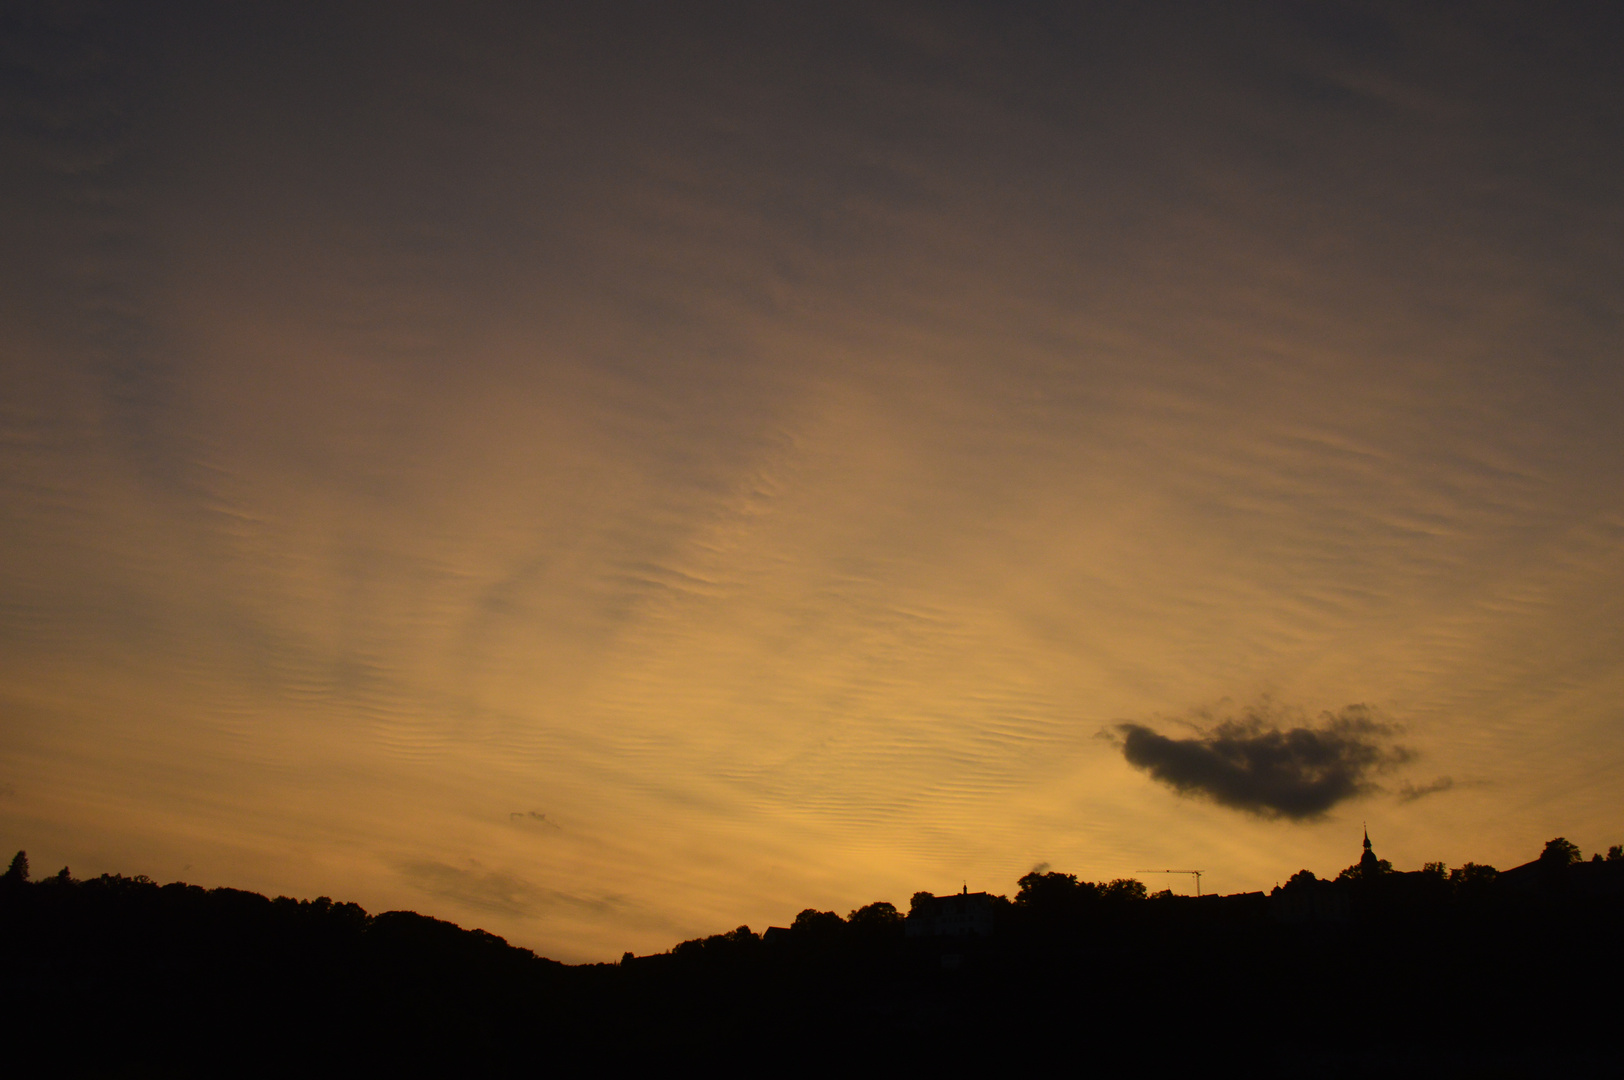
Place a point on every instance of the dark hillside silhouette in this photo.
(122, 969)
(1444, 970)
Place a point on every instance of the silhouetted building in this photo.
(964, 914)
(1580, 879)
(1369, 865)
(1308, 899)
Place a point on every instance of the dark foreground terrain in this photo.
(1408, 975)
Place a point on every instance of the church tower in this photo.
(1369, 865)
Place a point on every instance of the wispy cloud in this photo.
(1408, 792)
(495, 890)
(533, 817)
(759, 439)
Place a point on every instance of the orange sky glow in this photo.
(611, 476)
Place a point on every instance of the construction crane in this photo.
(1194, 873)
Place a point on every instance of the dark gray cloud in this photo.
(1251, 763)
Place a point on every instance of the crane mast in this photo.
(1193, 873)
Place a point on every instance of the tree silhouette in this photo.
(1560, 852)
(17, 873)
(1472, 878)
(125, 966)
(1123, 889)
(879, 916)
(1052, 893)
(818, 924)
(1356, 872)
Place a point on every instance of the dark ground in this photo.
(122, 974)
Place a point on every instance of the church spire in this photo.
(1369, 865)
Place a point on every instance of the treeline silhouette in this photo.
(1437, 970)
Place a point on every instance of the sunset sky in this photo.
(609, 473)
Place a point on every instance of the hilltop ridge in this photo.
(1473, 965)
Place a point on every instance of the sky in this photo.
(611, 473)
